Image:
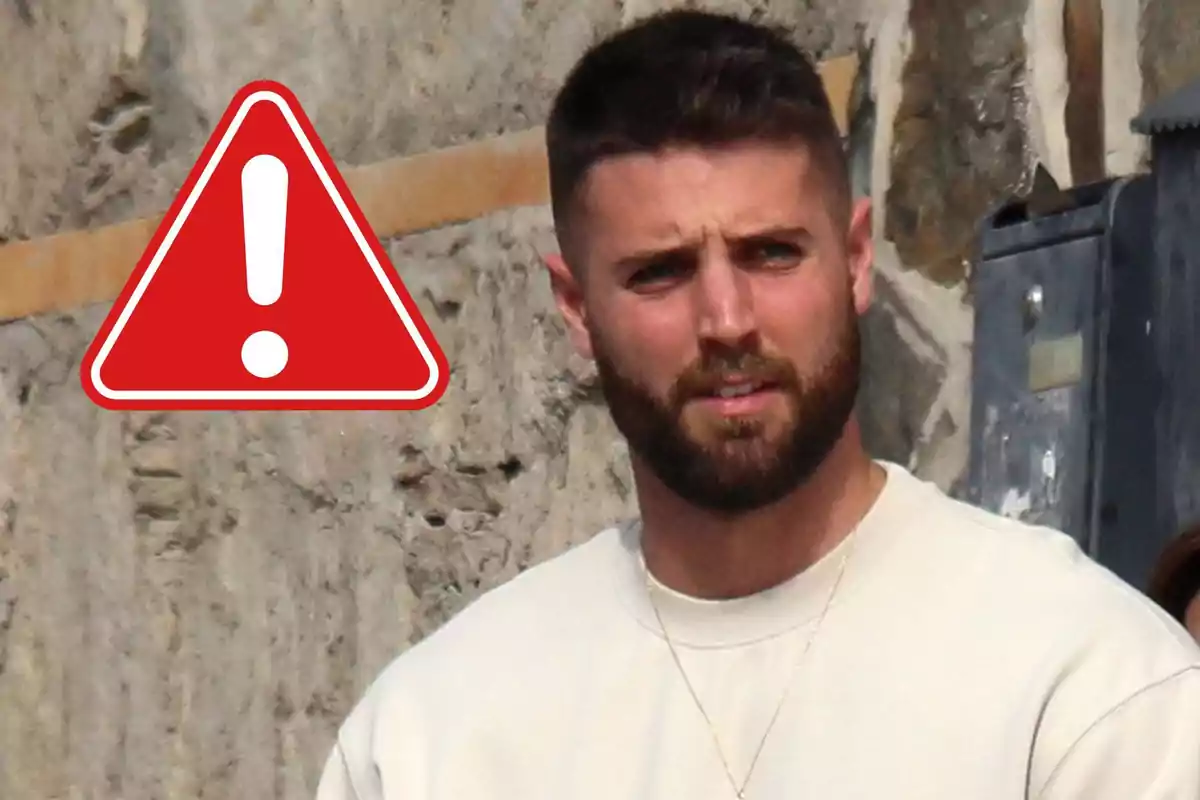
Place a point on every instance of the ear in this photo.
(860, 251)
(568, 296)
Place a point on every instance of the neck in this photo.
(714, 556)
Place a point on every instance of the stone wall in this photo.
(189, 603)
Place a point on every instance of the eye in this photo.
(659, 273)
(771, 255)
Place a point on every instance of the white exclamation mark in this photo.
(264, 219)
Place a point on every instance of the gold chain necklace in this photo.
(740, 790)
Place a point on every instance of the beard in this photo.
(737, 464)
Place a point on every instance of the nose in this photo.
(724, 300)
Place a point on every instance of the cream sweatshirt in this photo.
(964, 657)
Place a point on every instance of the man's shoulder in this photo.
(488, 655)
(1022, 608)
(1035, 578)
(962, 540)
(540, 604)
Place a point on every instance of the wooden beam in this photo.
(839, 75)
(398, 196)
(1083, 41)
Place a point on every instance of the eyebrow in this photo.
(796, 234)
(783, 232)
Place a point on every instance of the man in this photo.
(788, 618)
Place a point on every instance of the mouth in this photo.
(729, 391)
(738, 397)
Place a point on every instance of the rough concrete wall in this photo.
(199, 597)
(189, 603)
(1170, 52)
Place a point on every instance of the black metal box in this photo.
(1063, 385)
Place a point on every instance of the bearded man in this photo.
(788, 618)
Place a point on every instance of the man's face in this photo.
(719, 292)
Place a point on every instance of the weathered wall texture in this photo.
(189, 603)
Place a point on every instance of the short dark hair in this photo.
(688, 78)
(1176, 579)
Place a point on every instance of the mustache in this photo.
(714, 370)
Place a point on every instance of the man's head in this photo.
(713, 263)
(1175, 582)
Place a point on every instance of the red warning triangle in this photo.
(264, 287)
